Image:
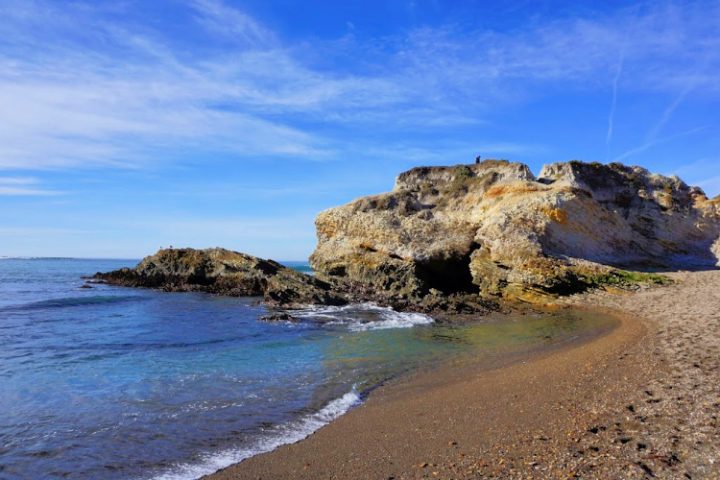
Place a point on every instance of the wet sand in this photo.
(639, 402)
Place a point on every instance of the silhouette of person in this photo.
(477, 159)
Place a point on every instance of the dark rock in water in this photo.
(279, 317)
(224, 272)
(91, 280)
(86, 285)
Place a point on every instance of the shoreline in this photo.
(638, 402)
(323, 454)
(460, 362)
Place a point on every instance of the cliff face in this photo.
(224, 272)
(495, 229)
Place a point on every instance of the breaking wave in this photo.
(363, 316)
(285, 434)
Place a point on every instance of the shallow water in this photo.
(112, 383)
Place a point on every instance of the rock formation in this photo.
(224, 272)
(462, 238)
(493, 230)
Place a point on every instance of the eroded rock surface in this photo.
(224, 272)
(493, 230)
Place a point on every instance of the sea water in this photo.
(110, 382)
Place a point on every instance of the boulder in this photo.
(494, 230)
(224, 272)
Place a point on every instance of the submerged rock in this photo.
(224, 272)
(279, 317)
(493, 230)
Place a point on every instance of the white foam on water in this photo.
(291, 432)
(386, 317)
(357, 318)
(393, 319)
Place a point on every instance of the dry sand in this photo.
(640, 402)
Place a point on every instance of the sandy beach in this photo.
(639, 402)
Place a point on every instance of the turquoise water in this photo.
(116, 383)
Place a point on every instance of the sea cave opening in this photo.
(448, 275)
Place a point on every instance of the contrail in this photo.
(667, 114)
(689, 87)
(651, 139)
(611, 116)
(656, 141)
(618, 73)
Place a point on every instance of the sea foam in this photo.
(363, 316)
(285, 434)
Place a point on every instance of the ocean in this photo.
(109, 382)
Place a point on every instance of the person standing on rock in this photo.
(477, 159)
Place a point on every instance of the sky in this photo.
(129, 125)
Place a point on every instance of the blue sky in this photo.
(129, 125)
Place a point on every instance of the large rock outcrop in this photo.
(495, 230)
(224, 272)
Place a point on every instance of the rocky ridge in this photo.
(224, 272)
(492, 231)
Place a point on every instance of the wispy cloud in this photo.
(451, 153)
(79, 90)
(23, 187)
(230, 22)
(28, 232)
(76, 105)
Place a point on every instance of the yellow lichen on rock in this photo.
(557, 215)
(495, 230)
